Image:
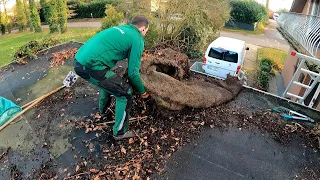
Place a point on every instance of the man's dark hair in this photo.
(139, 21)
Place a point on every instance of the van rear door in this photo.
(221, 62)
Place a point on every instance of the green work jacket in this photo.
(111, 45)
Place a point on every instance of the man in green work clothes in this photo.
(98, 55)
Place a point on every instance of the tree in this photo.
(27, 11)
(144, 5)
(248, 11)
(62, 15)
(6, 20)
(50, 14)
(184, 25)
(2, 26)
(113, 18)
(34, 17)
(20, 16)
(45, 9)
(267, 4)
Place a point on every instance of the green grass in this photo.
(241, 31)
(276, 55)
(9, 43)
(259, 29)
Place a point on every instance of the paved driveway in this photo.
(81, 25)
(251, 65)
(270, 38)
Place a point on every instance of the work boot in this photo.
(128, 134)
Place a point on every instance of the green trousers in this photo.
(110, 84)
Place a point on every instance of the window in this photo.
(224, 55)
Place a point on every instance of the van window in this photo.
(224, 55)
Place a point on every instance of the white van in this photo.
(224, 56)
(275, 16)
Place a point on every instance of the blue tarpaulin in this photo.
(7, 110)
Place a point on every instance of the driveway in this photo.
(270, 38)
(80, 25)
(250, 64)
(96, 23)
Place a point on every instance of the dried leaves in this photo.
(161, 134)
(91, 126)
(123, 150)
(58, 58)
(94, 170)
(4, 154)
(131, 141)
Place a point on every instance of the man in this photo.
(98, 55)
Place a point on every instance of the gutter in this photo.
(303, 109)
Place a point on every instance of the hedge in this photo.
(30, 49)
(248, 11)
(84, 10)
(2, 28)
(265, 72)
(112, 18)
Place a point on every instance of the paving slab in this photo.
(251, 64)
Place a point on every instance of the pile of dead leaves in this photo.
(138, 158)
(59, 58)
(284, 131)
(160, 133)
(164, 132)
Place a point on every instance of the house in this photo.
(301, 28)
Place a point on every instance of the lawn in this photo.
(9, 43)
(276, 55)
(257, 31)
(241, 31)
